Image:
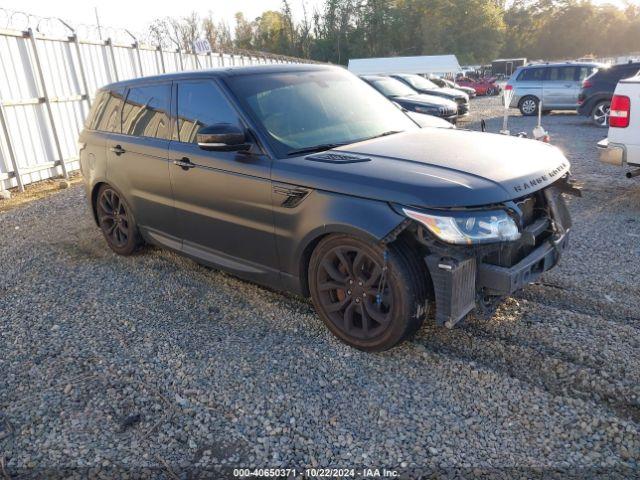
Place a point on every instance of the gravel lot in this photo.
(159, 366)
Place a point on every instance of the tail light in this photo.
(587, 83)
(620, 112)
(508, 87)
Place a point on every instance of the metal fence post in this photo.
(136, 45)
(12, 155)
(47, 104)
(83, 75)
(180, 58)
(109, 43)
(162, 69)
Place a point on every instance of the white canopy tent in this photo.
(425, 64)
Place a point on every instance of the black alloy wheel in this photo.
(116, 222)
(353, 292)
(369, 296)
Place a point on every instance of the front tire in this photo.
(361, 304)
(600, 114)
(529, 106)
(116, 221)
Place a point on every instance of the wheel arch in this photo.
(528, 95)
(599, 98)
(313, 238)
(94, 198)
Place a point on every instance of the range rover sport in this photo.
(305, 179)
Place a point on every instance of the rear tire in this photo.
(116, 221)
(529, 106)
(353, 300)
(600, 114)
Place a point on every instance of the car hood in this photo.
(432, 167)
(465, 89)
(424, 99)
(450, 92)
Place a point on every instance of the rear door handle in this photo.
(118, 150)
(184, 163)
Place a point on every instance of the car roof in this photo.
(373, 78)
(561, 64)
(224, 72)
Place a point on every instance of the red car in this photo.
(483, 86)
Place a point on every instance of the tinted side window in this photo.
(146, 111)
(531, 75)
(585, 72)
(105, 111)
(201, 104)
(562, 74)
(629, 72)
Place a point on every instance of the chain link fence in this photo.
(48, 75)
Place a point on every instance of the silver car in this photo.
(555, 85)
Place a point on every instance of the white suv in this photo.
(622, 147)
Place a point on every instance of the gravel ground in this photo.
(163, 368)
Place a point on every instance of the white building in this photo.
(424, 64)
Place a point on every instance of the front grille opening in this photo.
(533, 209)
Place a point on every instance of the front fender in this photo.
(321, 213)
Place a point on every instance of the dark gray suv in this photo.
(305, 179)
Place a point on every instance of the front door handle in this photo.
(118, 150)
(184, 163)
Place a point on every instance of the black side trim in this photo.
(291, 197)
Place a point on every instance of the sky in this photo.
(136, 14)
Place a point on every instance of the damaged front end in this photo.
(477, 254)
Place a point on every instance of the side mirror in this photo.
(222, 137)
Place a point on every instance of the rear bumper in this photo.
(612, 153)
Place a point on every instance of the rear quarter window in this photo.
(146, 111)
(104, 115)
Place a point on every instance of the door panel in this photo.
(138, 163)
(141, 173)
(222, 199)
(561, 88)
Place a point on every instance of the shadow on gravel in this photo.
(556, 372)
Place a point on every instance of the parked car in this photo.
(423, 120)
(446, 83)
(305, 179)
(482, 86)
(411, 100)
(622, 147)
(557, 85)
(422, 85)
(597, 91)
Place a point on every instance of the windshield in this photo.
(416, 81)
(304, 109)
(393, 88)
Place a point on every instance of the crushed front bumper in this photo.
(460, 279)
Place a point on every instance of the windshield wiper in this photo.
(315, 148)
(385, 134)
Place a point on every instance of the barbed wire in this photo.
(55, 26)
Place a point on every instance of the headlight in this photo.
(466, 228)
(429, 110)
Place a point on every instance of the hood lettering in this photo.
(534, 182)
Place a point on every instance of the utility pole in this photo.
(95, 9)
